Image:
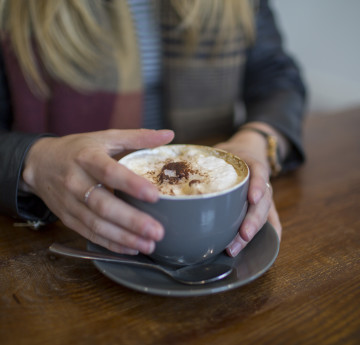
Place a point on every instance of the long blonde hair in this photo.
(73, 36)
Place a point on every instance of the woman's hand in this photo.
(251, 147)
(61, 170)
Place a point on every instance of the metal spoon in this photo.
(192, 275)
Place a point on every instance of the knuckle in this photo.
(135, 224)
(138, 225)
(69, 181)
(108, 170)
(82, 156)
(96, 227)
(92, 237)
(130, 241)
(66, 220)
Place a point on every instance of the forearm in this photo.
(273, 89)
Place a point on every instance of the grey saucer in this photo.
(251, 263)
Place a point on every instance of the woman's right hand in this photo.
(61, 170)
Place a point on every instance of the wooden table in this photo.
(311, 295)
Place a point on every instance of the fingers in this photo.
(102, 168)
(254, 220)
(75, 224)
(261, 205)
(108, 221)
(64, 169)
(256, 216)
(120, 140)
(107, 206)
(259, 177)
(236, 246)
(116, 176)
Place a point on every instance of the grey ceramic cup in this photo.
(197, 227)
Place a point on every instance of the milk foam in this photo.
(183, 170)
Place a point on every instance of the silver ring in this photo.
(268, 185)
(90, 190)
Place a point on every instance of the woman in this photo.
(91, 73)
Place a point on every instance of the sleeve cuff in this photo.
(284, 112)
(13, 150)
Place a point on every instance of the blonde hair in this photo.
(73, 36)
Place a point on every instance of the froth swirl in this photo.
(183, 170)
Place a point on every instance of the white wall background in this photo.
(324, 37)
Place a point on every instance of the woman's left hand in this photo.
(249, 148)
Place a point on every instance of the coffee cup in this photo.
(203, 199)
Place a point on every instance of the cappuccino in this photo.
(187, 169)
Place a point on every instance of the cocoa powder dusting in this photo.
(178, 171)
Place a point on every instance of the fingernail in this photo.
(130, 251)
(235, 249)
(166, 133)
(150, 247)
(150, 194)
(154, 231)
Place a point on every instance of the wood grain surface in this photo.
(311, 295)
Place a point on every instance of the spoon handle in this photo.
(84, 254)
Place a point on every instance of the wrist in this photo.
(282, 142)
(272, 150)
(248, 144)
(27, 182)
(274, 145)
